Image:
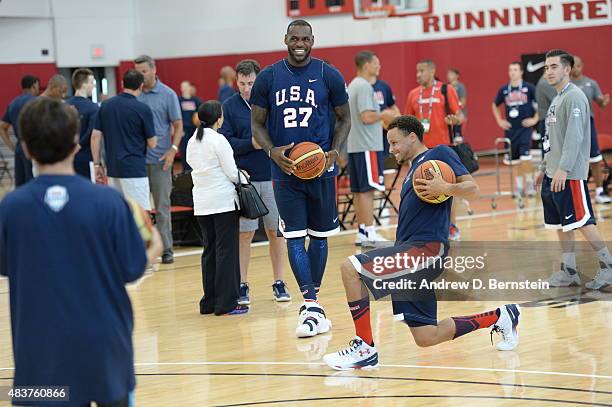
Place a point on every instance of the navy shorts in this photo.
(366, 171)
(595, 155)
(307, 207)
(416, 307)
(569, 209)
(521, 144)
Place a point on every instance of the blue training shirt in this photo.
(384, 94)
(87, 113)
(520, 99)
(68, 248)
(237, 129)
(421, 221)
(11, 116)
(126, 125)
(299, 101)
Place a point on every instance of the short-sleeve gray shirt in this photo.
(363, 137)
(166, 109)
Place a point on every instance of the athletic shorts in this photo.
(366, 171)
(595, 155)
(264, 188)
(134, 188)
(307, 207)
(416, 307)
(521, 144)
(569, 209)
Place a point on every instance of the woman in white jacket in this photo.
(215, 202)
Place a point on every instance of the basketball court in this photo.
(187, 359)
(183, 358)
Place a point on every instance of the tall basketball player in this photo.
(291, 102)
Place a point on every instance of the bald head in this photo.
(227, 74)
(57, 87)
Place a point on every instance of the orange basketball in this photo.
(309, 160)
(439, 167)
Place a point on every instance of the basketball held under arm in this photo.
(464, 188)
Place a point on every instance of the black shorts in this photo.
(366, 171)
(568, 209)
(595, 154)
(520, 144)
(416, 307)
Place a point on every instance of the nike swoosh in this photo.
(335, 219)
(420, 159)
(534, 67)
(568, 216)
(311, 80)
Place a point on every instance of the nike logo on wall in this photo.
(311, 80)
(534, 67)
(568, 216)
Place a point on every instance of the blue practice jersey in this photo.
(519, 101)
(68, 248)
(299, 102)
(421, 221)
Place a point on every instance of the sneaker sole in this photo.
(244, 302)
(282, 299)
(347, 369)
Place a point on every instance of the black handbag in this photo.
(251, 204)
(464, 150)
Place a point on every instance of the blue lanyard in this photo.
(433, 89)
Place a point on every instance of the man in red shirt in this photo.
(427, 103)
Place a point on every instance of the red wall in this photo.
(482, 61)
(11, 75)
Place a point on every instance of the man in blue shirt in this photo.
(30, 89)
(127, 128)
(168, 124)
(422, 232)
(521, 116)
(292, 102)
(68, 247)
(251, 158)
(83, 83)
(189, 108)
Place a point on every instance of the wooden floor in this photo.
(186, 359)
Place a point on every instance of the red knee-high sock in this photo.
(360, 310)
(469, 323)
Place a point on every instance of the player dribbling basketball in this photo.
(291, 102)
(422, 230)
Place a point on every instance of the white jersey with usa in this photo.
(421, 221)
(300, 102)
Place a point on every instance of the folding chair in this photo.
(386, 195)
(4, 169)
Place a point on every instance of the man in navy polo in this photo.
(168, 123)
(30, 89)
(127, 128)
(83, 83)
(68, 247)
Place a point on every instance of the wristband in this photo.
(174, 147)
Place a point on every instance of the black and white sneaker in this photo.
(243, 297)
(279, 289)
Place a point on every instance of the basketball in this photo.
(441, 168)
(143, 221)
(309, 160)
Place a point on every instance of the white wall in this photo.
(205, 27)
(23, 39)
(81, 25)
(177, 28)
(25, 8)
